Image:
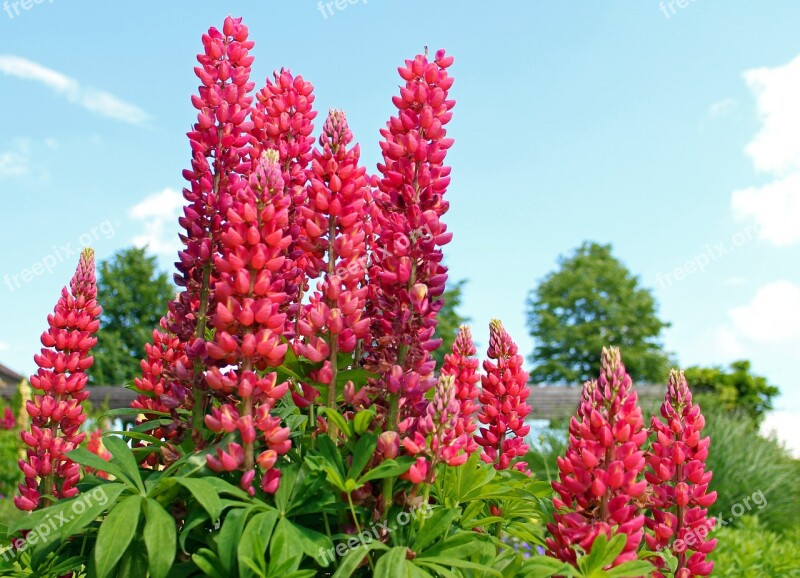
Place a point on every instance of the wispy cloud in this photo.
(15, 161)
(722, 108)
(4, 346)
(93, 100)
(159, 212)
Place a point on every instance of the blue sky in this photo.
(671, 132)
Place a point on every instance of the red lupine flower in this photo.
(463, 366)
(56, 413)
(407, 274)
(433, 436)
(219, 142)
(679, 479)
(8, 422)
(282, 121)
(248, 322)
(334, 239)
(599, 479)
(504, 398)
(95, 445)
(165, 371)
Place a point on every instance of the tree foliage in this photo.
(134, 295)
(449, 320)
(734, 389)
(593, 301)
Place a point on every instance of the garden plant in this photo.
(290, 419)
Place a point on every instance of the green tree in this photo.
(134, 296)
(735, 389)
(592, 301)
(449, 320)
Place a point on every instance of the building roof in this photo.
(9, 376)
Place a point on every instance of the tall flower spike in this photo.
(248, 327)
(282, 121)
(56, 409)
(219, 169)
(463, 366)
(334, 238)
(679, 479)
(407, 269)
(599, 479)
(165, 371)
(504, 397)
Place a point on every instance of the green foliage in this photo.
(735, 389)
(753, 551)
(548, 445)
(591, 302)
(752, 474)
(449, 320)
(134, 296)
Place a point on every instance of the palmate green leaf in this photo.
(631, 569)
(134, 562)
(337, 419)
(87, 459)
(125, 460)
(208, 562)
(229, 537)
(392, 564)
(387, 469)
(362, 420)
(352, 560)
(364, 450)
(159, 536)
(116, 533)
(127, 411)
(435, 527)
(545, 567)
(205, 494)
(253, 543)
(285, 549)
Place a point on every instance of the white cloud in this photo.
(775, 150)
(775, 207)
(96, 101)
(4, 346)
(727, 343)
(786, 427)
(772, 316)
(722, 108)
(15, 162)
(159, 212)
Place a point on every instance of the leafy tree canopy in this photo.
(449, 320)
(134, 296)
(734, 389)
(592, 301)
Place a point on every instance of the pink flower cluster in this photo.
(249, 325)
(282, 121)
(334, 240)
(407, 276)
(463, 366)
(56, 409)
(504, 399)
(219, 142)
(599, 479)
(679, 479)
(8, 422)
